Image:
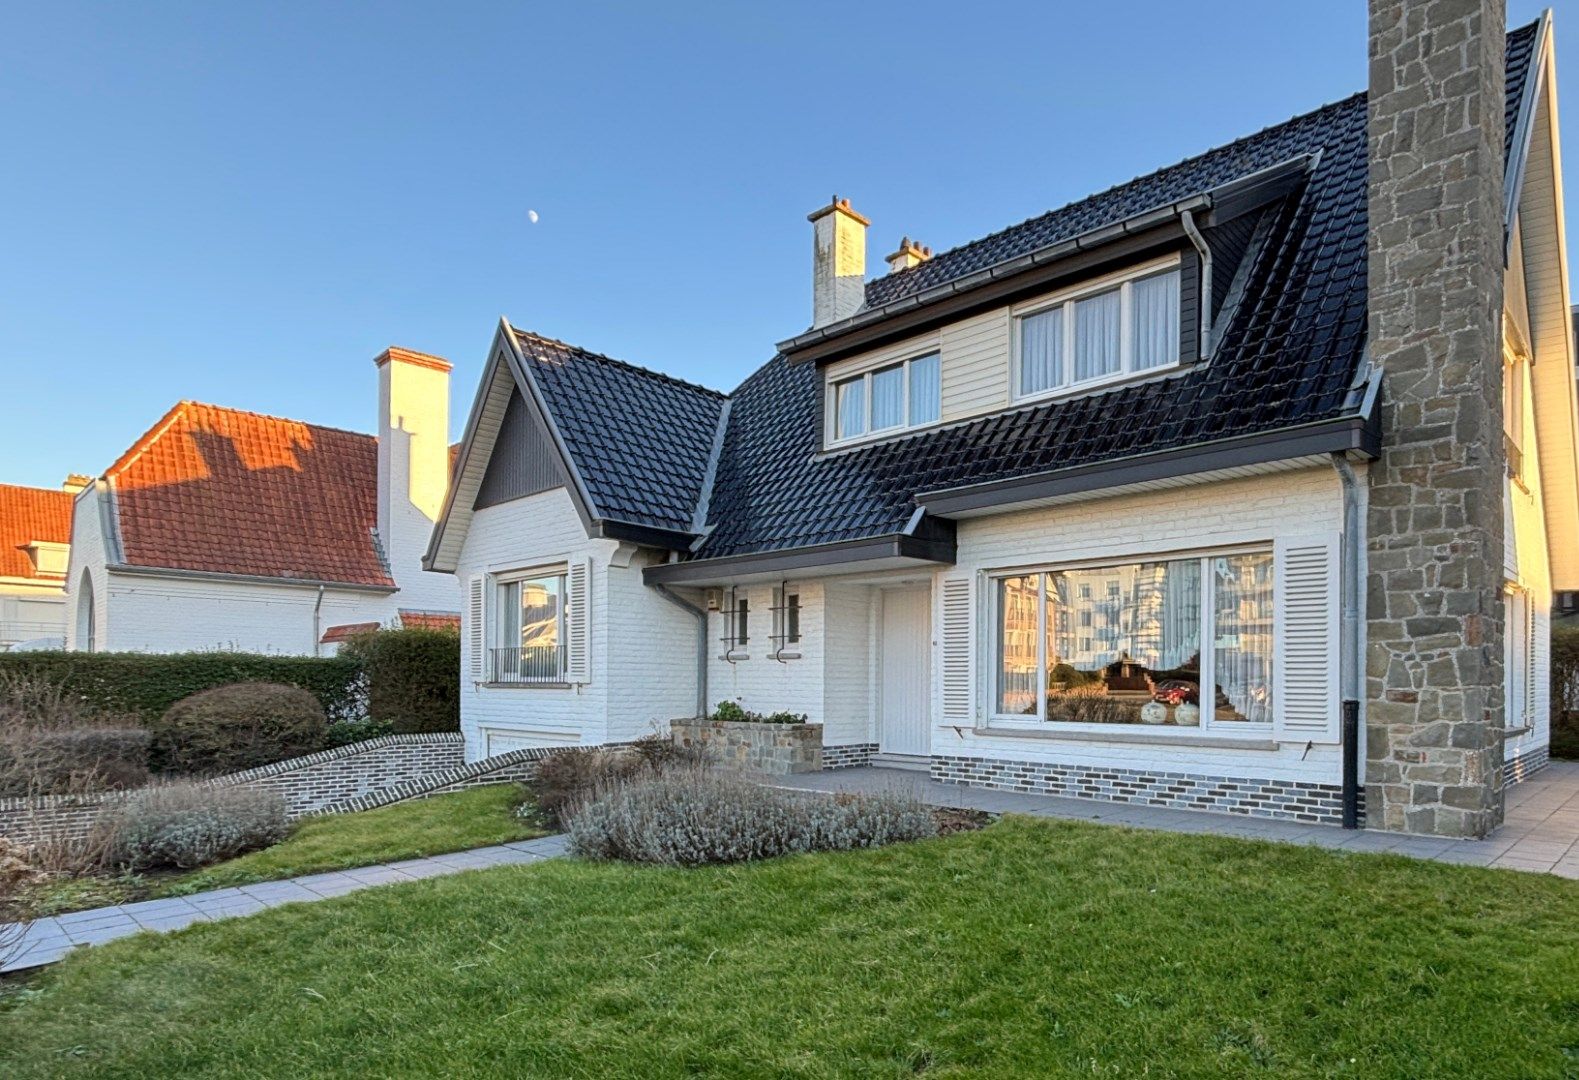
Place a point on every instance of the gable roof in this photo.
(27, 515)
(1284, 379)
(222, 491)
(640, 441)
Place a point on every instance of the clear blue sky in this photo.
(243, 204)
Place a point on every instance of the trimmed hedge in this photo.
(1565, 692)
(147, 684)
(413, 677)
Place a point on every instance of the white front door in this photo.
(903, 713)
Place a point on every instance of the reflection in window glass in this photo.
(1242, 638)
(1017, 630)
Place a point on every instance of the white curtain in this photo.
(1154, 320)
(1042, 350)
(925, 395)
(852, 408)
(888, 398)
(1243, 634)
(1097, 336)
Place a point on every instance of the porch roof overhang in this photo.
(904, 551)
(1358, 436)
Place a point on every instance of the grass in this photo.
(470, 818)
(473, 817)
(1025, 949)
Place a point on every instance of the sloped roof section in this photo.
(216, 490)
(1289, 357)
(26, 515)
(640, 441)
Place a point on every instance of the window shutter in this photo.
(1305, 700)
(578, 593)
(955, 621)
(477, 627)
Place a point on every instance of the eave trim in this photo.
(935, 549)
(246, 579)
(1357, 434)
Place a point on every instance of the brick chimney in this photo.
(909, 254)
(1434, 632)
(838, 268)
(413, 470)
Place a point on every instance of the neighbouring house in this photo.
(224, 529)
(1244, 485)
(35, 535)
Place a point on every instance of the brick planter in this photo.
(773, 749)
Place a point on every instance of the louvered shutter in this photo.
(956, 646)
(578, 611)
(477, 626)
(1305, 697)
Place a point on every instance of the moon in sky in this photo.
(531, 215)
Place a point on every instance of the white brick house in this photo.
(1122, 502)
(225, 529)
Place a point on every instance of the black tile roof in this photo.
(1287, 357)
(641, 440)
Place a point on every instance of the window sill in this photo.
(528, 685)
(1145, 737)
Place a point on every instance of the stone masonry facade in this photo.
(1433, 670)
(773, 749)
(1288, 800)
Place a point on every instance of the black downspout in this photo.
(1351, 764)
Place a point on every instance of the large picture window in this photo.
(1123, 643)
(1096, 336)
(529, 629)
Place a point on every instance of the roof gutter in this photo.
(1187, 219)
(247, 579)
(937, 546)
(1357, 434)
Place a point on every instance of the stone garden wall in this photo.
(773, 749)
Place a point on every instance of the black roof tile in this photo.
(1288, 356)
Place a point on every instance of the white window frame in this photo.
(496, 583)
(1209, 727)
(868, 433)
(1124, 282)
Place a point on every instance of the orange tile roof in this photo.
(224, 491)
(346, 631)
(430, 620)
(29, 514)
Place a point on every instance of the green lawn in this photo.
(474, 817)
(1027, 949)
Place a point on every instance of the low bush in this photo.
(230, 728)
(733, 712)
(693, 817)
(147, 684)
(354, 731)
(569, 776)
(54, 743)
(413, 677)
(187, 825)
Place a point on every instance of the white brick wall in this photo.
(1253, 509)
(643, 648)
(849, 688)
(761, 683)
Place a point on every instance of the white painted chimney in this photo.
(909, 254)
(413, 471)
(838, 268)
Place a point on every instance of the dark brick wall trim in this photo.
(848, 756)
(1526, 765)
(1284, 799)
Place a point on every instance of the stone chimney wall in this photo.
(413, 471)
(1434, 655)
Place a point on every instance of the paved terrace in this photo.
(1541, 834)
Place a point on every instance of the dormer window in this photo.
(888, 399)
(1097, 334)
